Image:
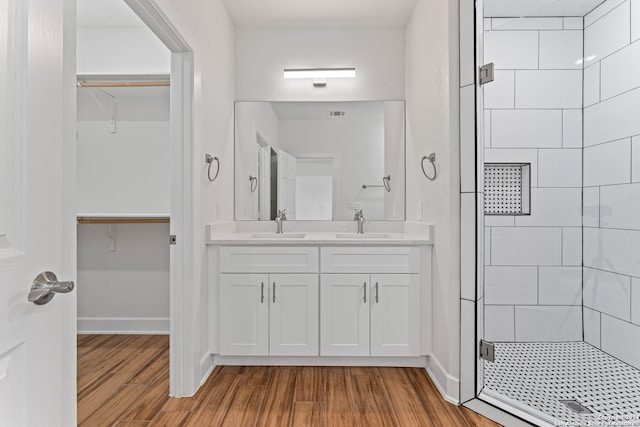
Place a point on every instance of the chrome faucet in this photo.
(360, 218)
(279, 218)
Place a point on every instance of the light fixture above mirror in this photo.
(319, 75)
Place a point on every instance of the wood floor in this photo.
(123, 380)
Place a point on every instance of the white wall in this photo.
(206, 26)
(533, 114)
(432, 64)
(611, 180)
(262, 54)
(121, 50)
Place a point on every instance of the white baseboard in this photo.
(448, 385)
(411, 362)
(123, 325)
(207, 364)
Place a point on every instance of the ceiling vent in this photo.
(336, 113)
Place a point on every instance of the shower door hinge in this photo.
(486, 73)
(487, 351)
(172, 239)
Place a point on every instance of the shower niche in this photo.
(507, 188)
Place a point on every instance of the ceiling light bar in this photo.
(318, 73)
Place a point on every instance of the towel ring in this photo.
(385, 181)
(253, 183)
(209, 159)
(432, 158)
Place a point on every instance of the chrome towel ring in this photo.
(209, 159)
(432, 158)
(253, 183)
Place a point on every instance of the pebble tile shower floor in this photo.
(541, 375)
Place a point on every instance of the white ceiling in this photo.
(520, 8)
(320, 110)
(106, 13)
(320, 13)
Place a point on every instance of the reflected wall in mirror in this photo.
(320, 160)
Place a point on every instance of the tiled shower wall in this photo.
(612, 179)
(533, 114)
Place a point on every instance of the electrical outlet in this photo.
(219, 210)
(419, 211)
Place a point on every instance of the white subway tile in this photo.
(573, 23)
(560, 168)
(620, 339)
(487, 129)
(635, 20)
(499, 220)
(572, 128)
(553, 207)
(511, 285)
(560, 286)
(600, 11)
(526, 129)
(487, 24)
(511, 49)
(608, 163)
(561, 50)
(526, 246)
(612, 119)
(467, 139)
(572, 246)
(499, 323)
(620, 206)
(501, 24)
(592, 84)
(620, 72)
(501, 92)
(591, 207)
(515, 156)
(608, 293)
(613, 250)
(591, 327)
(487, 246)
(635, 159)
(548, 323)
(608, 34)
(549, 89)
(635, 300)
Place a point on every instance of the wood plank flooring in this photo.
(123, 381)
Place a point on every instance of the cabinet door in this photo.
(395, 315)
(244, 314)
(293, 314)
(344, 318)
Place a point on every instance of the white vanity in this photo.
(320, 298)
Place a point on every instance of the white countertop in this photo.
(227, 235)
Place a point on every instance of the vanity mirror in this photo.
(320, 160)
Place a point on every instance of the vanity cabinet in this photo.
(268, 314)
(370, 314)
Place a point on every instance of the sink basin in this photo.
(278, 235)
(362, 236)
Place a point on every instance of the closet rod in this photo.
(124, 84)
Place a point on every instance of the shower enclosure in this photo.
(558, 298)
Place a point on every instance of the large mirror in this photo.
(320, 160)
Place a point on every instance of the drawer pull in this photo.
(376, 292)
(274, 292)
(365, 292)
(261, 292)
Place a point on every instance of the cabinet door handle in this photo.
(364, 285)
(376, 292)
(274, 292)
(261, 292)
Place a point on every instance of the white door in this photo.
(293, 315)
(344, 317)
(244, 314)
(395, 315)
(37, 224)
(287, 183)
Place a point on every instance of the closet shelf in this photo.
(123, 218)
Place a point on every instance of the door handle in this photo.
(45, 286)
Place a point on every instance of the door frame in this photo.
(184, 366)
